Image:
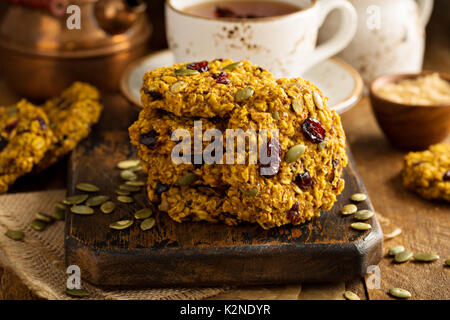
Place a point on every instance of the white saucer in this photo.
(337, 80)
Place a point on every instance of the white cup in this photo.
(285, 45)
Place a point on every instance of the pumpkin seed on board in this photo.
(128, 175)
(298, 105)
(317, 100)
(349, 209)
(403, 256)
(253, 192)
(44, 217)
(178, 86)
(351, 296)
(107, 207)
(187, 179)
(38, 225)
(147, 224)
(360, 226)
(143, 213)
(121, 224)
(136, 183)
(15, 234)
(397, 249)
(78, 293)
(60, 211)
(77, 199)
(82, 210)
(127, 164)
(125, 187)
(426, 257)
(96, 201)
(185, 72)
(87, 187)
(244, 94)
(295, 153)
(232, 66)
(123, 192)
(447, 262)
(363, 215)
(136, 168)
(125, 199)
(358, 197)
(400, 293)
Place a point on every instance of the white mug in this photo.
(285, 45)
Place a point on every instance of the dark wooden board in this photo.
(194, 254)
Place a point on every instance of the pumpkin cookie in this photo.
(428, 172)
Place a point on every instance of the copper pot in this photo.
(41, 57)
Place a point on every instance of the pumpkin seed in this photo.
(361, 226)
(323, 145)
(295, 153)
(244, 94)
(351, 296)
(426, 257)
(83, 210)
(143, 213)
(125, 187)
(400, 293)
(125, 199)
(177, 86)
(136, 168)
(121, 224)
(60, 211)
(123, 192)
(128, 175)
(363, 215)
(135, 183)
(349, 209)
(317, 100)
(108, 207)
(358, 197)
(298, 105)
(232, 66)
(127, 164)
(147, 224)
(96, 201)
(15, 234)
(44, 217)
(38, 225)
(78, 293)
(185, 72)
(80, 198)
(403, 256)
(276, 115)
(187, 179)
(447, 262)
(253, 192)
(87, 187)
(60, 206)
(397, 249)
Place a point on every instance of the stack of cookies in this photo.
(304, 140)
(34, 137)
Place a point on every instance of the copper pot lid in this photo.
(103, 29)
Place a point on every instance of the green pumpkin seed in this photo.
(298, 105)
(185, 72)
(135, 183)
(80, 198)
(121, 224)
(125, 187)
(123, 192)
(44, 217)
(125, 199)
(360, 226)
(232, 66)
(358, 197)
(447, 262)
(426, 257)
(136, 168)
(38, 225)
(187, 179)
(15, 234)
(127, 164)
(400, 293)
(60, 211)
(322, 145)
(244, 94)
(128, 175)
(143, 213)
(108, 207)
(403, 256)
(295, 153)
(276, 115)
(83, 210)
(317, 100)
(96, 201)
(363, 215)
(394, 250)
(177, 86)
(253, 192)
(351, 296)
(78, 293)
(87, 187)
(349, 209)
(147, 224)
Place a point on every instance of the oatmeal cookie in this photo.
(25, 137)
(428, 172)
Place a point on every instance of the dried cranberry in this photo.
(42, 123)
(273, 147)
(304, 180)
(447, 176)
(160, 188)
(293, 212)
(149, 139)
(10, 126)
(3, 143)
(156, 95)
(313, 130)
(221, 78)
(202, 66)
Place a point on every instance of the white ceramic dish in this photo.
(337, 80)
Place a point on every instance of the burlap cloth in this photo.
(38, 261)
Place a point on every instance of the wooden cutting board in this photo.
(195, 254)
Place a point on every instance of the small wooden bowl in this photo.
(412, 127)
